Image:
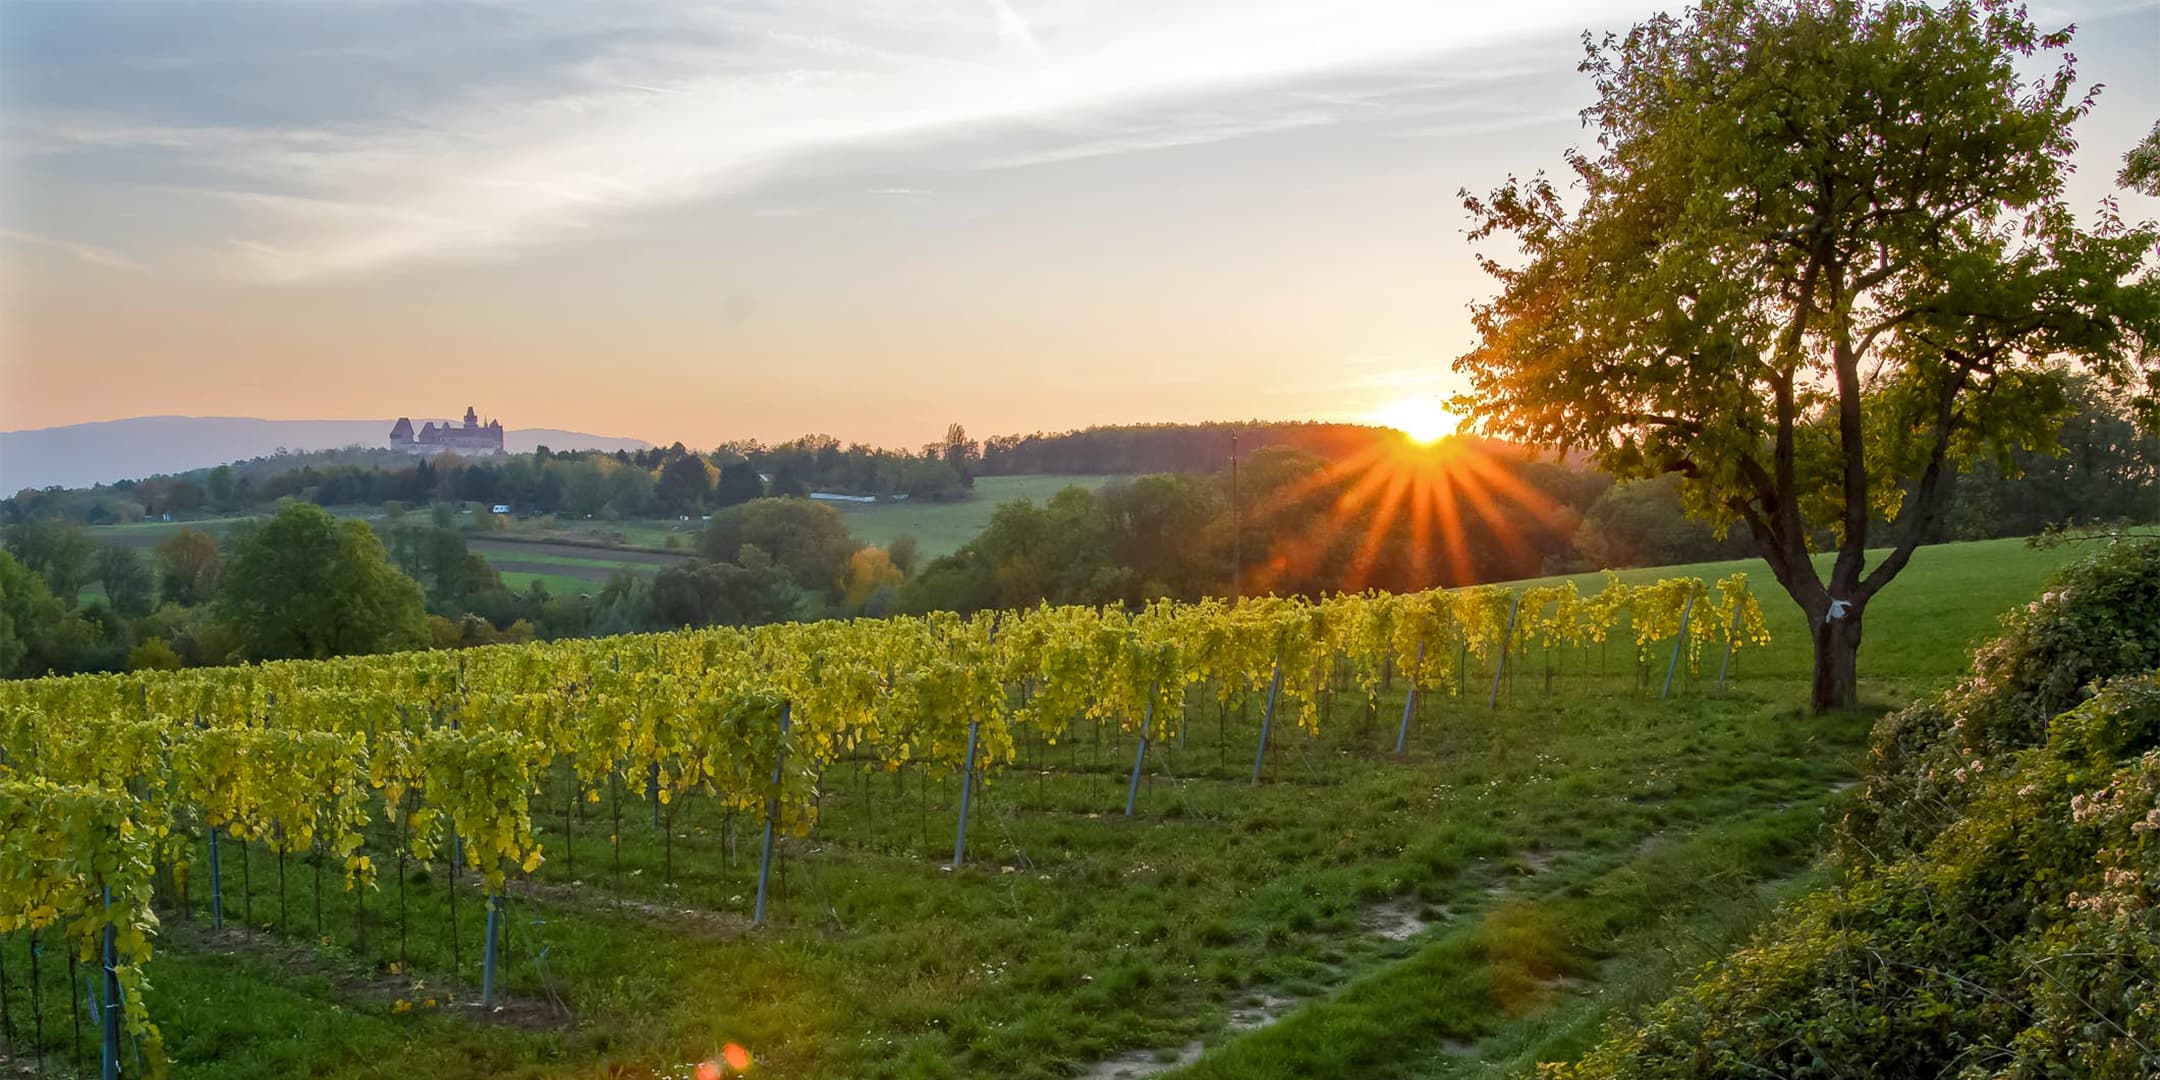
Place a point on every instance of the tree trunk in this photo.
(1837, 662)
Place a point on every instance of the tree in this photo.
(305, 584)
(870, 575)
(807, 539)
(188, 565)
(37, 633)
(927, 479)
(1172, 531)
(961, 453)
(738, 484)
(220, 485)
(624, 605)
(709, 594)
(686, 482)
(2101, 469)
(1821, 261)
(2141, 166)
(1642, 523)
(905, 552)
(21, 597)
(788, 481)
(129, 585)
(60, 552)
(154, 654)
(446, 552)
(1059, 552)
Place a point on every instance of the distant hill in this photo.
(79, 455)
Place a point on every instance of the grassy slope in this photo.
(1918, 629)
(939, 528)
(1576, 848)
(556, 584)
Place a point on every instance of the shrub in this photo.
(2097, 619)
(1996, 912)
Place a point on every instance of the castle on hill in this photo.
(473, 438)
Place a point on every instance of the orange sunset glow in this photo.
(1423, 419)
(1416, 499)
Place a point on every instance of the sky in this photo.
(709, 222)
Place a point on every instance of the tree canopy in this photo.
(1818, 262)
(807, 539)
(306, 585)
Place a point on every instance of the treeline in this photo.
(1366, 509)
(302, 583)
(2105, 471)
(670, 481)
(1138, 449)
(1396, 518)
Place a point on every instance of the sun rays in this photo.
(1406, 512)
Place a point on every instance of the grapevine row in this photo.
(104, 777)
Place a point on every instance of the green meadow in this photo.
(940, 528)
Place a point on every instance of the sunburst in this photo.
(1422, 419)
(1435, 489)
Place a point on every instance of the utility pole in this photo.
(1237, 528)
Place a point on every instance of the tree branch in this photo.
(1931, 493)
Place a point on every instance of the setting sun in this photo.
(1423, 419)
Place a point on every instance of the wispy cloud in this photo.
(1164, 132)
(659, 107)
(95, 256)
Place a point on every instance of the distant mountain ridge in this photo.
(79, 455)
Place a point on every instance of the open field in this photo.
(939, 528)
(148, 533)
(642, 533)
(556, 584)
(572, 562)
(1473, 905)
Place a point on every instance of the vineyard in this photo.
(133, 803)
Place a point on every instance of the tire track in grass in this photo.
(1515, 959)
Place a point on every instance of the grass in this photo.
(1534, 868)
(499, 555)
(649, 534)
(556, 584)
(1946, 600)
(940, 528)
(566, 570)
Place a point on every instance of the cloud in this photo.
(96, 256)
(643, 107)
(1164, 133)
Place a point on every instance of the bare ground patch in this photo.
(1138, 1063)
(1402, 918)
(697, 920)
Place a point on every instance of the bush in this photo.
(1996, 912)
(154, 654)
(2097, 619)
